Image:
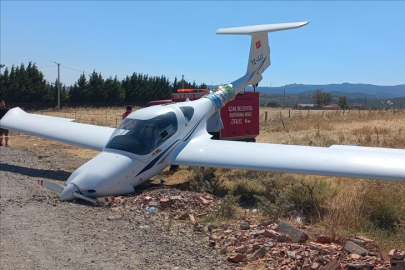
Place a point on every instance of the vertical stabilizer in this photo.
(259, 57)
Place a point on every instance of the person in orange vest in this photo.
(3, 131)
(127, 112)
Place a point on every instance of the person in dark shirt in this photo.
(3, 131)
(127, 112)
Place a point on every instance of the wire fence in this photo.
(273, 114)
(53, 106)
(112, 116)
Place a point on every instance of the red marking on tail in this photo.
(258, 44)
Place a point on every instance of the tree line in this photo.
(324, 98)
(26, 84)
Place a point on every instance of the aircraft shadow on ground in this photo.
(41, 173)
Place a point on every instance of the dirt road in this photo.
(40, 232)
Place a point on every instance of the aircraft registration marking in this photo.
(256, 60)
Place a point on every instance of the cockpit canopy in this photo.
(141, 137)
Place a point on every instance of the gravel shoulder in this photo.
(40, 232)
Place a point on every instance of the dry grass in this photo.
(359, 203)
(353, 205)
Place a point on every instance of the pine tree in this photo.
(96, 88)
(80, 90)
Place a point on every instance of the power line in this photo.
(47, 66)
(82, 71)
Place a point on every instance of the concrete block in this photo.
(296, 235)
(354, 248)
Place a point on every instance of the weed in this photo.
(207, 181)
(382, 205)
(228, 208)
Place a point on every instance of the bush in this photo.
(274, 203)
(246, 190)
(228, 208)
(380, 210)
(208, 182)
(309, 198)
(287, 196)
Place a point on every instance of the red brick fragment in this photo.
(237, 258)
(192, 219)
(365, 239)
(323, 239)
(271, 233)
(241, 249)
(164, 202)
(385, 257)
(392, 252)
(204, 201)
(275, 253)
(315, 266)
(333, 265)
(355, 256)
(115, 217)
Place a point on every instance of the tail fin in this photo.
(259, 57)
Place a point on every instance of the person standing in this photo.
(3, 131)
(128, 110)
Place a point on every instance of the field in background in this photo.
(332, 205)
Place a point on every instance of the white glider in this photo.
(152, 138)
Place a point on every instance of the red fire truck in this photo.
(239, 116)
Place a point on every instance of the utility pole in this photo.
(182, 78)
(58, 85)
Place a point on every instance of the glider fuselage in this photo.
(140, 147)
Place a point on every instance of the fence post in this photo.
(289, 114)
(265, 116)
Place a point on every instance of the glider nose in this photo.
(67, 193)
(107, 174)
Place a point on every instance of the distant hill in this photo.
(290, 100)
(344, 89)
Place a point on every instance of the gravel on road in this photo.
(40, 232)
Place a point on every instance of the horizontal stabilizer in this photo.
(51, 185)
(263, 28)
(80, 196)
(259, 56)
(103, 200)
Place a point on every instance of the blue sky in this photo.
(355, 42)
